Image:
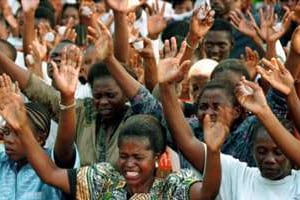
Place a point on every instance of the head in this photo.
(56, 54)
(109, 99)
(216, 94)
(141, 142)
(177, 29)
(221, 7)
(90, 57)
(46, 15)
(8, 49)
(182, 6)
(271, 161)
(70, 11)
(198, 75)
(230, 69)
(218, 42)
(39, 121)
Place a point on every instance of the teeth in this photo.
(132, 174)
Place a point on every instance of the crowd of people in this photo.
(149, 99)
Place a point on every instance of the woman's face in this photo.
(270, 160)
(137, 163)
(210, 102)
(69, 13)
(109, 99)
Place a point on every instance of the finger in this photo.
(280, 65)
(162, 11)
(17, 88)
(92, 32)
(161, 53)
(55, 68)
(181, 50)
(173, 46)
(265, 75)
(184, 67)
(250, 84)
(63, 58)
(167, 48)
(268, 64)
(91, 39)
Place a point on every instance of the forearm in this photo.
(281, 136)
(191, 147)
(128, 84)
(212, 175)
(28, 31)
(192, 42)
(150, 73)
(121, 37)
(294, 107)
(15, 72)
(64, 144)
(42, 164)
(271, 50)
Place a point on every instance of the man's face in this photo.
(217, 45)
(270, 160)
(221, 7)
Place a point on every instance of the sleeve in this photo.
(91, 182)
(277, 103)
(144, 103)
(234, 175)
(38, 90)
(178, 184)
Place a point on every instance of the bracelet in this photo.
(190, 46)
(66, 107)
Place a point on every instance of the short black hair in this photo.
(222, 25)
(221, 84)
(177, 29)
(179, 2)
(99, 70)
(145, 126)
(257, 125)
(45, 13)
(10, 50)
(232, 65)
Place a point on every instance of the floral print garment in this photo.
(102, 181)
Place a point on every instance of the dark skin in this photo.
(271, 161)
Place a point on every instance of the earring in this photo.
(156, 164)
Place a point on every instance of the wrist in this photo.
(193, 38)
(264, 112)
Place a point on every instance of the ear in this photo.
(237, 112)
(41, 138)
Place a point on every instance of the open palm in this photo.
(66, 75)
(29, 5)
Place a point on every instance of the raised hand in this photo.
(101, 38)
(37, 52)
(296, 13)
(199, 26)
(267, 20)
(147, 52)
(117, 5)
(215, 132)
(169, 68)
(156, 22)
(251, 96)
(277, 75)
(242, 24)
(29, 5)
(251, 59)
(295, 41)
(66, 75)
(12, 108)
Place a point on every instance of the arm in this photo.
(149, 63)
(66, 78)
(14, 112)
(198, 29)
(29, 7)
(255, 102)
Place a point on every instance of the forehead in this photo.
(218, 36)
(214, 95)
(232, 76)
(105, 83)
(134, 144)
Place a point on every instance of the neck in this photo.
(141, 188)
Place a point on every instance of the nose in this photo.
(103, 101)
(129, 163)
(215, 49)
(270, 159)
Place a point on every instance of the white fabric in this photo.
(240, 182)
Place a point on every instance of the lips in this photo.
(131, 175)
(105, 111)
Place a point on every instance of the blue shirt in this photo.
(25, 184)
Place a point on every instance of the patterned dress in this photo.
(102, 181)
